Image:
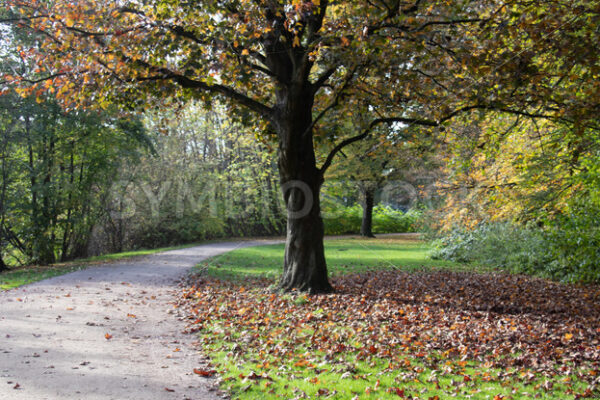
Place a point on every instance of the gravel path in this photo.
(107, 332)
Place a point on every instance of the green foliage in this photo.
(55, 171)
(542, 177)
(340, 219)
(209, 179)
(389, 220)
(568, 250)
(575, 241)
(501, 245)
(166, 231)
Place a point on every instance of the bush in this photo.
(567, 250)
(575, 240)
(389, 220)
(347, 220)
(341, 220)
(175, 231)
(500, 245)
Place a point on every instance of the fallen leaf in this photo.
(205, 373)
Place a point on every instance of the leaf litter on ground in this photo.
(393, 334)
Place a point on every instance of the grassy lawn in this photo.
(400, 326)
(24, 275)
(344, 256)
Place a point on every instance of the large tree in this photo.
(289, 63)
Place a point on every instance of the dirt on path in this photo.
(106, 332)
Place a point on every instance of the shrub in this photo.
(501, 245)
(340, 220)
(389, 220)
(347, 220)
(568, 249)
(575, 240)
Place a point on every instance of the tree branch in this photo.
(323, 78)
(46, 78)
(448, 22)
(421, 122)
(240, 98)
(333, 104)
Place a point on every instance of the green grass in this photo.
(22, 276)
(373, 380)
(264, 350)
(343, 256)
(16, 277)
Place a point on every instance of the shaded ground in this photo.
(107, 332)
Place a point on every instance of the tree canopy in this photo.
(291, 62)
(415, 58)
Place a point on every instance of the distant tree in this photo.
(210, 178)
(385, 159)
(54, 171)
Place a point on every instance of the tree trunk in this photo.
(3, 266)
(368, 200)
(304, 265)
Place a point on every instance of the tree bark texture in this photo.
(304, 266)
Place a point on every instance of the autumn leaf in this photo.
(387, 308)
(204, 373)
(396, 390)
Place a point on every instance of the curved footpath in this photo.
(106, 332)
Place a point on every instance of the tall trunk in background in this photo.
(32, 248)
(66, 239)
(367, 203)
(47, 222)
(304, 266)
(41, 250)
(3, 190)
